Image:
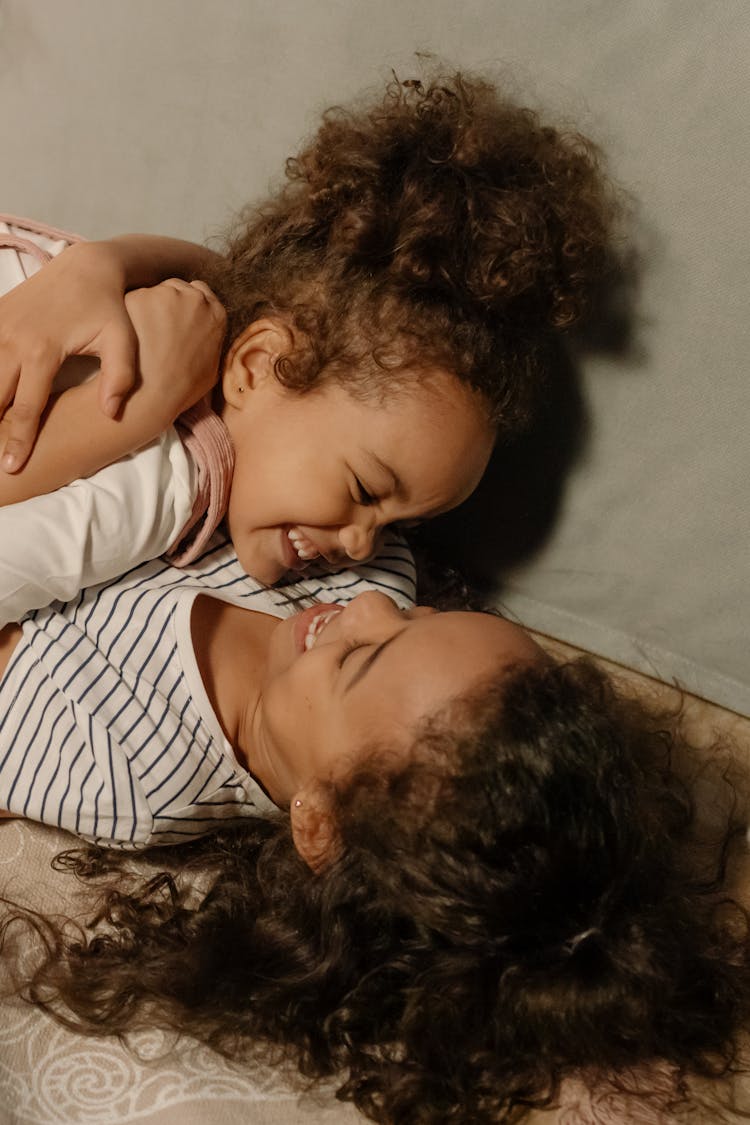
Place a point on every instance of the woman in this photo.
(477, 881)
(135, 714)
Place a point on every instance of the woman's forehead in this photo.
(444, 652)
(485, 631)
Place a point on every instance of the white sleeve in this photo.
(53, 546)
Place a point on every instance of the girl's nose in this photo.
(359, 540)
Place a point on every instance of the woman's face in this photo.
(340, 680)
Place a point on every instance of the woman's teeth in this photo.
(318, 624)
(304, 549)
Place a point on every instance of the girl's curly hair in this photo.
(443, 225)
(525, 901)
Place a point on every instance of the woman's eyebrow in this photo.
(368, 662)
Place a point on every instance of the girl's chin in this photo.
(264, 566)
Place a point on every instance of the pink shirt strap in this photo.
(26, 245)
(207, 440)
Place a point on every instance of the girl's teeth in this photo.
(304, 548)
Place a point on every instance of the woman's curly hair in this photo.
(443, 225)
(525, 901)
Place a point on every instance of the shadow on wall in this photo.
(514, 511)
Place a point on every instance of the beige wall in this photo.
(164, 115)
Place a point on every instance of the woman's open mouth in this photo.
(311, 623)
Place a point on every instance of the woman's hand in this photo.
(73, 306)
(180, 328)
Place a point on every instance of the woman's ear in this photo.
(314, 829)
(251, 359)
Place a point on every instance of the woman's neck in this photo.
(9, 638)
(230, 644)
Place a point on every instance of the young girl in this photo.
(495, 882)
(299, 461)
(387, 312)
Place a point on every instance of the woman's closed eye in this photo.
(349, 648)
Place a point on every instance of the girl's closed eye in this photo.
(363, 496)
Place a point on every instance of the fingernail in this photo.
(10, 462)
(112, 406)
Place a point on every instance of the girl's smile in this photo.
(304, 549)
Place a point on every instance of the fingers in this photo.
(118, 352)
(8, 382)
(212, 300)
(192, 287)
(31, 397)
(174, 283)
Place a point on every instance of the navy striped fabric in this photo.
(100, 733)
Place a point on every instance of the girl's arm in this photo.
(180, 330)
(53, 546)
(74, 306)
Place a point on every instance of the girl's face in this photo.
(319, 475)
(340, 680)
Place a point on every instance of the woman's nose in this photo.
(377, 606)
(377, 615)
(422, 611)
(373, 609)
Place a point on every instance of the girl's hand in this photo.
(74, 305)
(180, 327)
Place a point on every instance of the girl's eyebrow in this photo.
(368, 662)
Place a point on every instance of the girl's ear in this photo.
(251, 359)
(313, 828)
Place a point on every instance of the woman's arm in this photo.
(74, 306)
(147, 259)
(180, 330)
